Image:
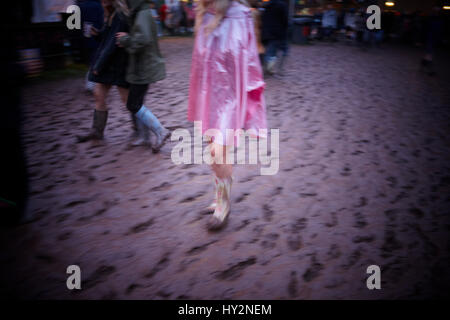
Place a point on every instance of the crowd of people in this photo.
(128, 57)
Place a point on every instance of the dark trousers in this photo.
(136, 97)
(273, 46)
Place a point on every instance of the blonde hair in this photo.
(220, 7)
(121, 7)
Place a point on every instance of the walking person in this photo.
(91, 18)
(434, 26)
(274, 33)
(162, 17)
(226, 88)
(108, 68)
(329, 23)
(256, 14)
(145, 66)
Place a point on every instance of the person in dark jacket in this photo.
(108, 67)
(433, 28)
(91, 19)
(274, 32)
(146, 65)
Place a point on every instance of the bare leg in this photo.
(100, 93)
(223, 173)
(222, 170)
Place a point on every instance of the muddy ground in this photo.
(364, 179)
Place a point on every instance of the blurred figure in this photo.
(274, 33)
(224, 93)
(162, 17)
(174, 16)
(91, 17)
(361, 28)
(183, 17)
(350, 24)
(256, 14)
(14, 185)
(433, 28)
(329, 23)
(190, 14)
(156, 17)
(145, 66)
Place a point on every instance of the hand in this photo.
(95, 72)
(94, 31)
(118, 36)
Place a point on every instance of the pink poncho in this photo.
(226, 84)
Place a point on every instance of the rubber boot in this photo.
(142, 135)
(150, 121)
(98, 127)
(212, 207)
(218, 219)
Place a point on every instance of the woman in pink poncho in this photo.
(226, 88)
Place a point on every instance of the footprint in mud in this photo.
(162, 187)
(293, 285)
(200, 248)
(352, 259)
(391, 216)
(131, 288)
(430, 249)
(360, 220)
(76, 202)
(160, 265)
(62, 217)
(98, 276)
(313, 270)
(270, 241)
(64, 236)
(185, 263)
(141, 226)
(346, 171)
(267, 213)
(333, 222)
(277, 191)
(242, 197)
(164, 293)
(298, 225)
(362, 202)
(334, 252)
(392, 181)
(243, 224)
(294, 242)
(359, 239)
(247, 179)
(192, 197)
(97, 213)
(236, 270)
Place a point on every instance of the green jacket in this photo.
(145, 64)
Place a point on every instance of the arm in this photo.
(140, 35)
(110, 45)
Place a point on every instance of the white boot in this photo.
(223, 206)
(143, 135)
(212, 207)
